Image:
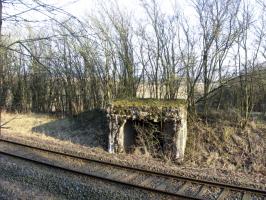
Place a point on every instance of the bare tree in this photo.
(247, 57)
(217, 23)
(187, 47)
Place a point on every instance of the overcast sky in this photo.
(82, 8)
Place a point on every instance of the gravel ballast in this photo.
(35, 181)
(210, 174)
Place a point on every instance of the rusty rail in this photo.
(225, 189)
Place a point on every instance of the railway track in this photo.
(171, 185)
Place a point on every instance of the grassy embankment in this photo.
(220, 144)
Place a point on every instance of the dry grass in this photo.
(49, 128)
(224, 145)
(23, 123)
(200, 156)
(219, 145)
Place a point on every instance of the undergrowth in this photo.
(220, 142)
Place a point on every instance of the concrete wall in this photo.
(122, 133)
(182, 133)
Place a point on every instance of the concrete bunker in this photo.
(129, 135)
(153, 126)
(144, 136)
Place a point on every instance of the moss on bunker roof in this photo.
(148, 102)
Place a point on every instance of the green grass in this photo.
(148, 103)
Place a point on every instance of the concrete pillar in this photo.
(181, 135)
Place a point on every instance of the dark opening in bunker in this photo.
(145, 135)
(130, 135)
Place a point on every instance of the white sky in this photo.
(82, 7)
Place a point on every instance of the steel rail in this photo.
(77, 172)
(192, 180)
(100, 177)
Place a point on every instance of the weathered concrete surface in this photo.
(182, 132)
(170, 115)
